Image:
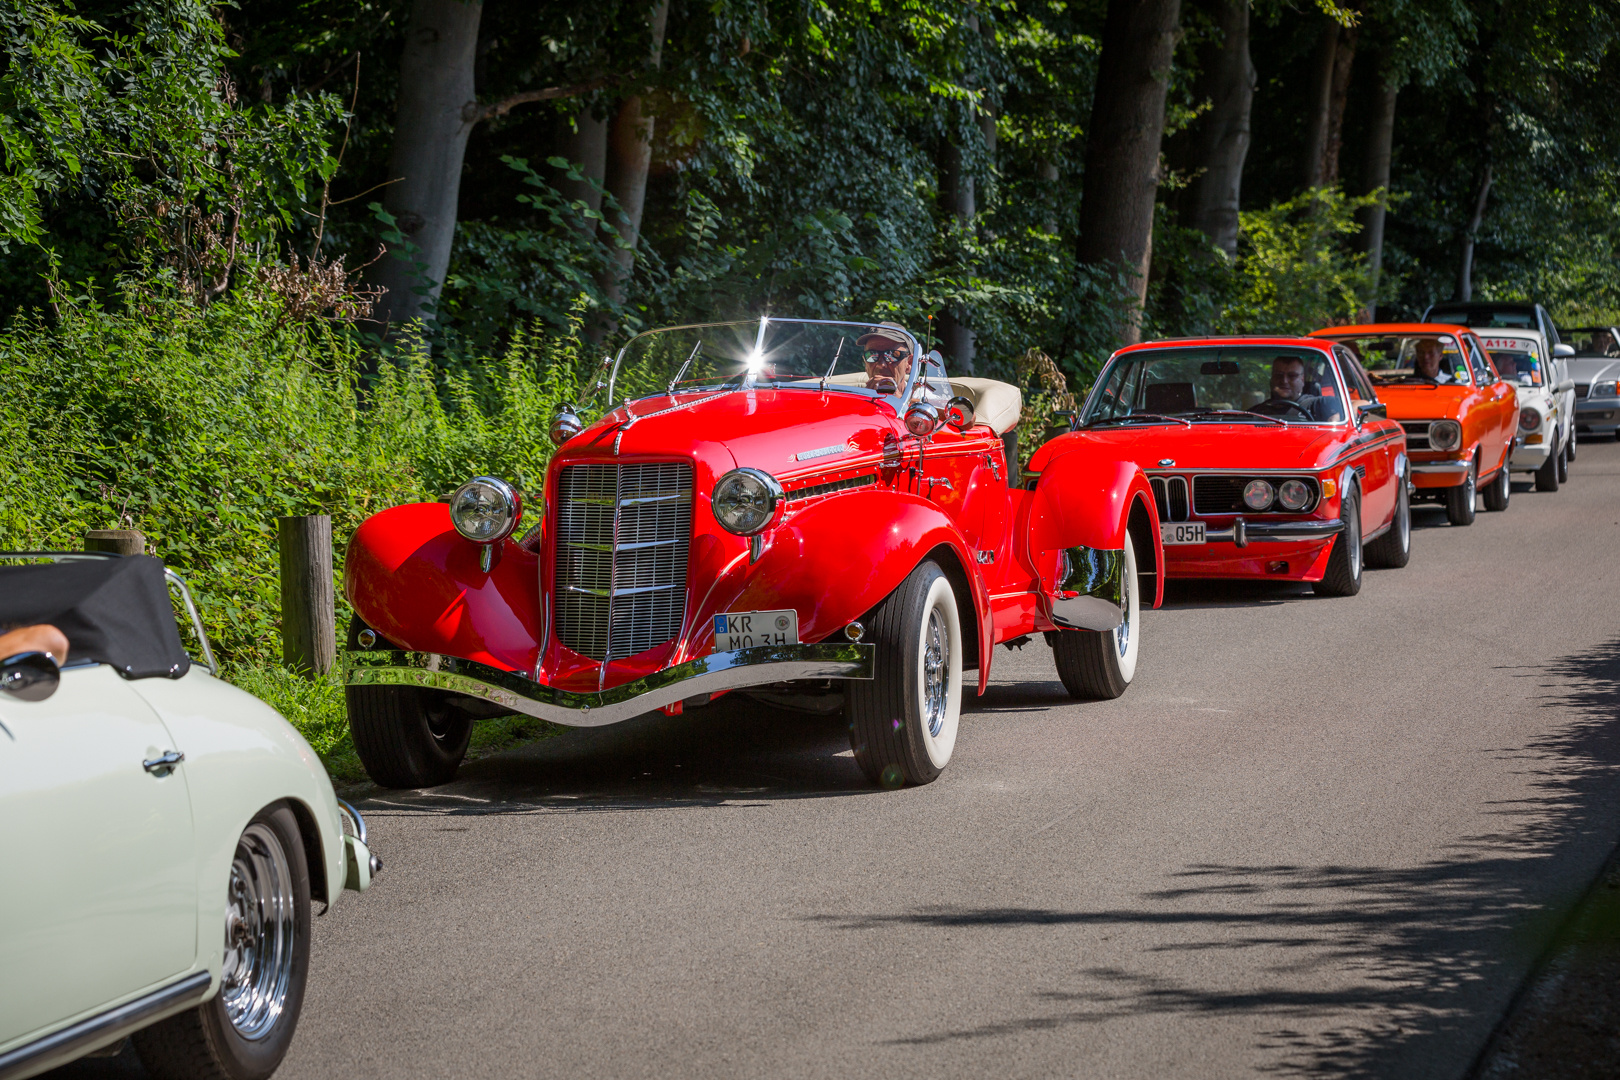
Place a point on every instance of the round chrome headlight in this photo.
(1445, 435)
(1257, 494)
(745, 500)
(1529, 418)
(1294, 494)
(485, 510)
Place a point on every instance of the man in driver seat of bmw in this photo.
(888, 357)
(1288, 396)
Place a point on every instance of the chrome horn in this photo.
(565, 423)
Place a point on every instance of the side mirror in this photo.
(1563, 350)
(923, 419)
(30, 676)
(959, 413)
(1365, 409)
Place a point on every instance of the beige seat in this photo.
(995, 403)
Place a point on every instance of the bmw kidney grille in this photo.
(622, 538)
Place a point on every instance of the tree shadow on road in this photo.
(1422, 960)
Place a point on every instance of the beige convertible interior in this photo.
(995, 403)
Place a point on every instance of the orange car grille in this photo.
(622, 538)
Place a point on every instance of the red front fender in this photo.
(1086, 498)
(417, 582)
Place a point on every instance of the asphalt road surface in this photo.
(1317, 837)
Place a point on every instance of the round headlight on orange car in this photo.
(485, 510)
(1445, 435)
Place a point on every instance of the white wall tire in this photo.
(903, 722)
(1100, 664)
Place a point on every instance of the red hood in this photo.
(1207, 445)
(1424, 402)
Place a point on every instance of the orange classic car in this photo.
(1459, 414)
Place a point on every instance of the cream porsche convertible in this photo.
(162, 835)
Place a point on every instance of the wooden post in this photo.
(117, 541)
(308, 616)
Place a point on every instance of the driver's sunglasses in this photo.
(887, 359)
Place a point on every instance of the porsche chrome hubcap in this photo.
(935, 658)
(259, 930)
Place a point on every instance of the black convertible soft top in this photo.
(113, 611)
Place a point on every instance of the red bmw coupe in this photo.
(1268, 457)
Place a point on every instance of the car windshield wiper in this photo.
(1245, 413)
(1150, 417)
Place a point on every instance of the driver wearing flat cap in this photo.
(888, 357)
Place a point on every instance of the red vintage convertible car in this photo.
(1459, 414)
(1269, 457)
(811, 512)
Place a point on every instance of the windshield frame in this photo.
(897, 400)
(1239, 343)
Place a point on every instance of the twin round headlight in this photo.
(1529, 418)
(1445, 435)
(1290, 495)
(745, 500)
(485, 510)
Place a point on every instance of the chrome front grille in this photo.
(1170, 496)
(1417, 434)
(622, 538)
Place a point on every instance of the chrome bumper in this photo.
(1091, 595)
(1442, 468)
(704, 675)
(1243, 533)
(359, 864)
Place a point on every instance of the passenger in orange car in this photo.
(1426, 362)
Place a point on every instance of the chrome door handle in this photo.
(164, 763)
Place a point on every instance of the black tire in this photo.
(1563, 464)
(1500, 491)
(238, 1034)
(903, 723)
(406, 737)
(1547, 476)
(1098, 665)
(1393, 550)
(1343, 577)
(1460, 499)
(1570, 444)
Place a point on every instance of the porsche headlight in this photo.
(1258, 494)
(1294, 494)
(485, 510)
(745, 500)
(1529, 418)
(1445, 435)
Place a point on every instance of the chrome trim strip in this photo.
(586, 591)
(354, 816)
(75, 1040)
(705, 674)
(1451, 469)
(1091, 595)
(1243, 532)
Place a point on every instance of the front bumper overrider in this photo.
(704, 675)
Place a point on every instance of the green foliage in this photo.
(1295, 273)
(200, 427)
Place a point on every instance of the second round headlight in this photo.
(1445, 435)
(485, 509)
(1294, 494)
(1258, 494)
(745, 500)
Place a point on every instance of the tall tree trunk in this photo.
(1465, 271)
(1375, 180)
(1122, 143)
(584, 145)
(1228, 79)
(956, 198)
(1339, 93)
(629, 157)
(430, 139)
(1316, 132)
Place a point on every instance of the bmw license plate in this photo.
(749, 629)
(1182, 532)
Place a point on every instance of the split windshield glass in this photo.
(1393, 359)
(768, 352)
(1249, 383)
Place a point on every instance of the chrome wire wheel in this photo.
(936, 676)
(260, 932)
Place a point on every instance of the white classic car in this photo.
(1543, 442)
(164, 835)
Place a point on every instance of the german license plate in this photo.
(1182, 532)
(749, 629)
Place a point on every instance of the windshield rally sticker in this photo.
(806, 455)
